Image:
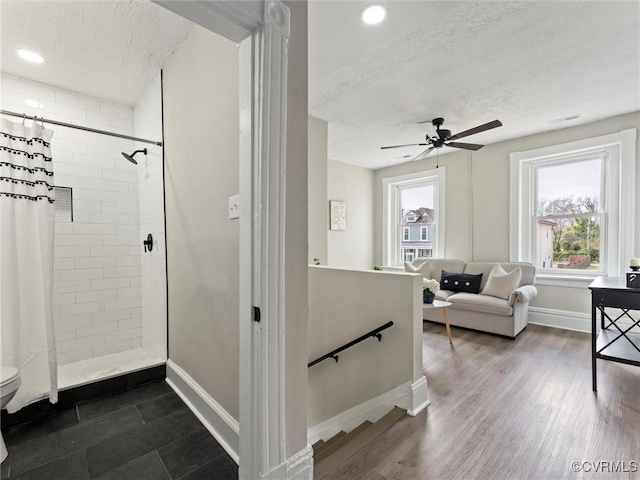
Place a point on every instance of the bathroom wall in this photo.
(97, 295)
(147, 123)
(201, 106)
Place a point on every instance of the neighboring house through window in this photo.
(568, 216)
(413, 216)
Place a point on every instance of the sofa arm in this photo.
(523, 294)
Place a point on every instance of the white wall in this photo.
(344, 305)
(147, 123)
(97, 294)
(353, 247)
(201, 106)
(318, 215)
(332, 180)
(477, 204)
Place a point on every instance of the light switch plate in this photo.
(234, 209)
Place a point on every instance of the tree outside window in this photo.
(568, 226)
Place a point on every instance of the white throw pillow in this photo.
(500, 283)
(423, 268)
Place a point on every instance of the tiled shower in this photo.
(109, 297)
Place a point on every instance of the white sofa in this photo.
(476, 311)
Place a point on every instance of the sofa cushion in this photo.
(460, 282)
(528, 271)
(422, 268)
(500, 283)
(436, 265)
(443, 294)
(481, 303)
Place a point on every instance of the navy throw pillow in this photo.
(460, 282)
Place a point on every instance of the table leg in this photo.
(594, 370)
(446, 322)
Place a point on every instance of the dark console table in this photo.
(613, 343)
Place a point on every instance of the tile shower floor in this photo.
(147, 433)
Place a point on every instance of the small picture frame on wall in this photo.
(338, 215)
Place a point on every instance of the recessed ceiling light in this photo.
(30, 56)
(373, 14)
(34, 103)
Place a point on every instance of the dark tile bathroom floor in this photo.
(147, 433)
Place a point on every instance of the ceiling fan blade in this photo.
(465, 146)
(431, 131)
(478, 129)
(423, 154)
(407, 145)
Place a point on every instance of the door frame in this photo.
(261, 28)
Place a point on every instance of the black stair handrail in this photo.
(334, 354)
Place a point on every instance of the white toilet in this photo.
(10, 382)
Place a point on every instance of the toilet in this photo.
(9, 384)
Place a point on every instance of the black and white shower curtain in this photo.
(27, 219)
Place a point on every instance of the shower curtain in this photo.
(26, 260)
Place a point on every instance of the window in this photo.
(408, 254)
(416, 199)
(569, 213)
(567, 217)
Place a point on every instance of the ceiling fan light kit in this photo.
(443, 137)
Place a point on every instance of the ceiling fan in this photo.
(438, 138)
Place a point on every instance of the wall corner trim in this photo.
(417, 397)
(220, 423)
(299, 466)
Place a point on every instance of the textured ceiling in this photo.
(524, 63)
(110, 50)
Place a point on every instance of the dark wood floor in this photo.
(503, 409)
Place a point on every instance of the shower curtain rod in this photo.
(79, 127)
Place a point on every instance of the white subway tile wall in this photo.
(148, 124)
(97, 267)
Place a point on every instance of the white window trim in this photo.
(408, 232)
(426, 234)
(391, 203)
(620, 167)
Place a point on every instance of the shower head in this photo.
(130, 157)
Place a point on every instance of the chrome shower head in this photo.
(130, 157)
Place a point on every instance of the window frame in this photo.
(424, 229)
(391, 187)
(618, 151)
(406, 234)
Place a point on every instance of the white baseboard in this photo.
(417, 398)
(224, 428)
(408, 396)
(566, 320)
